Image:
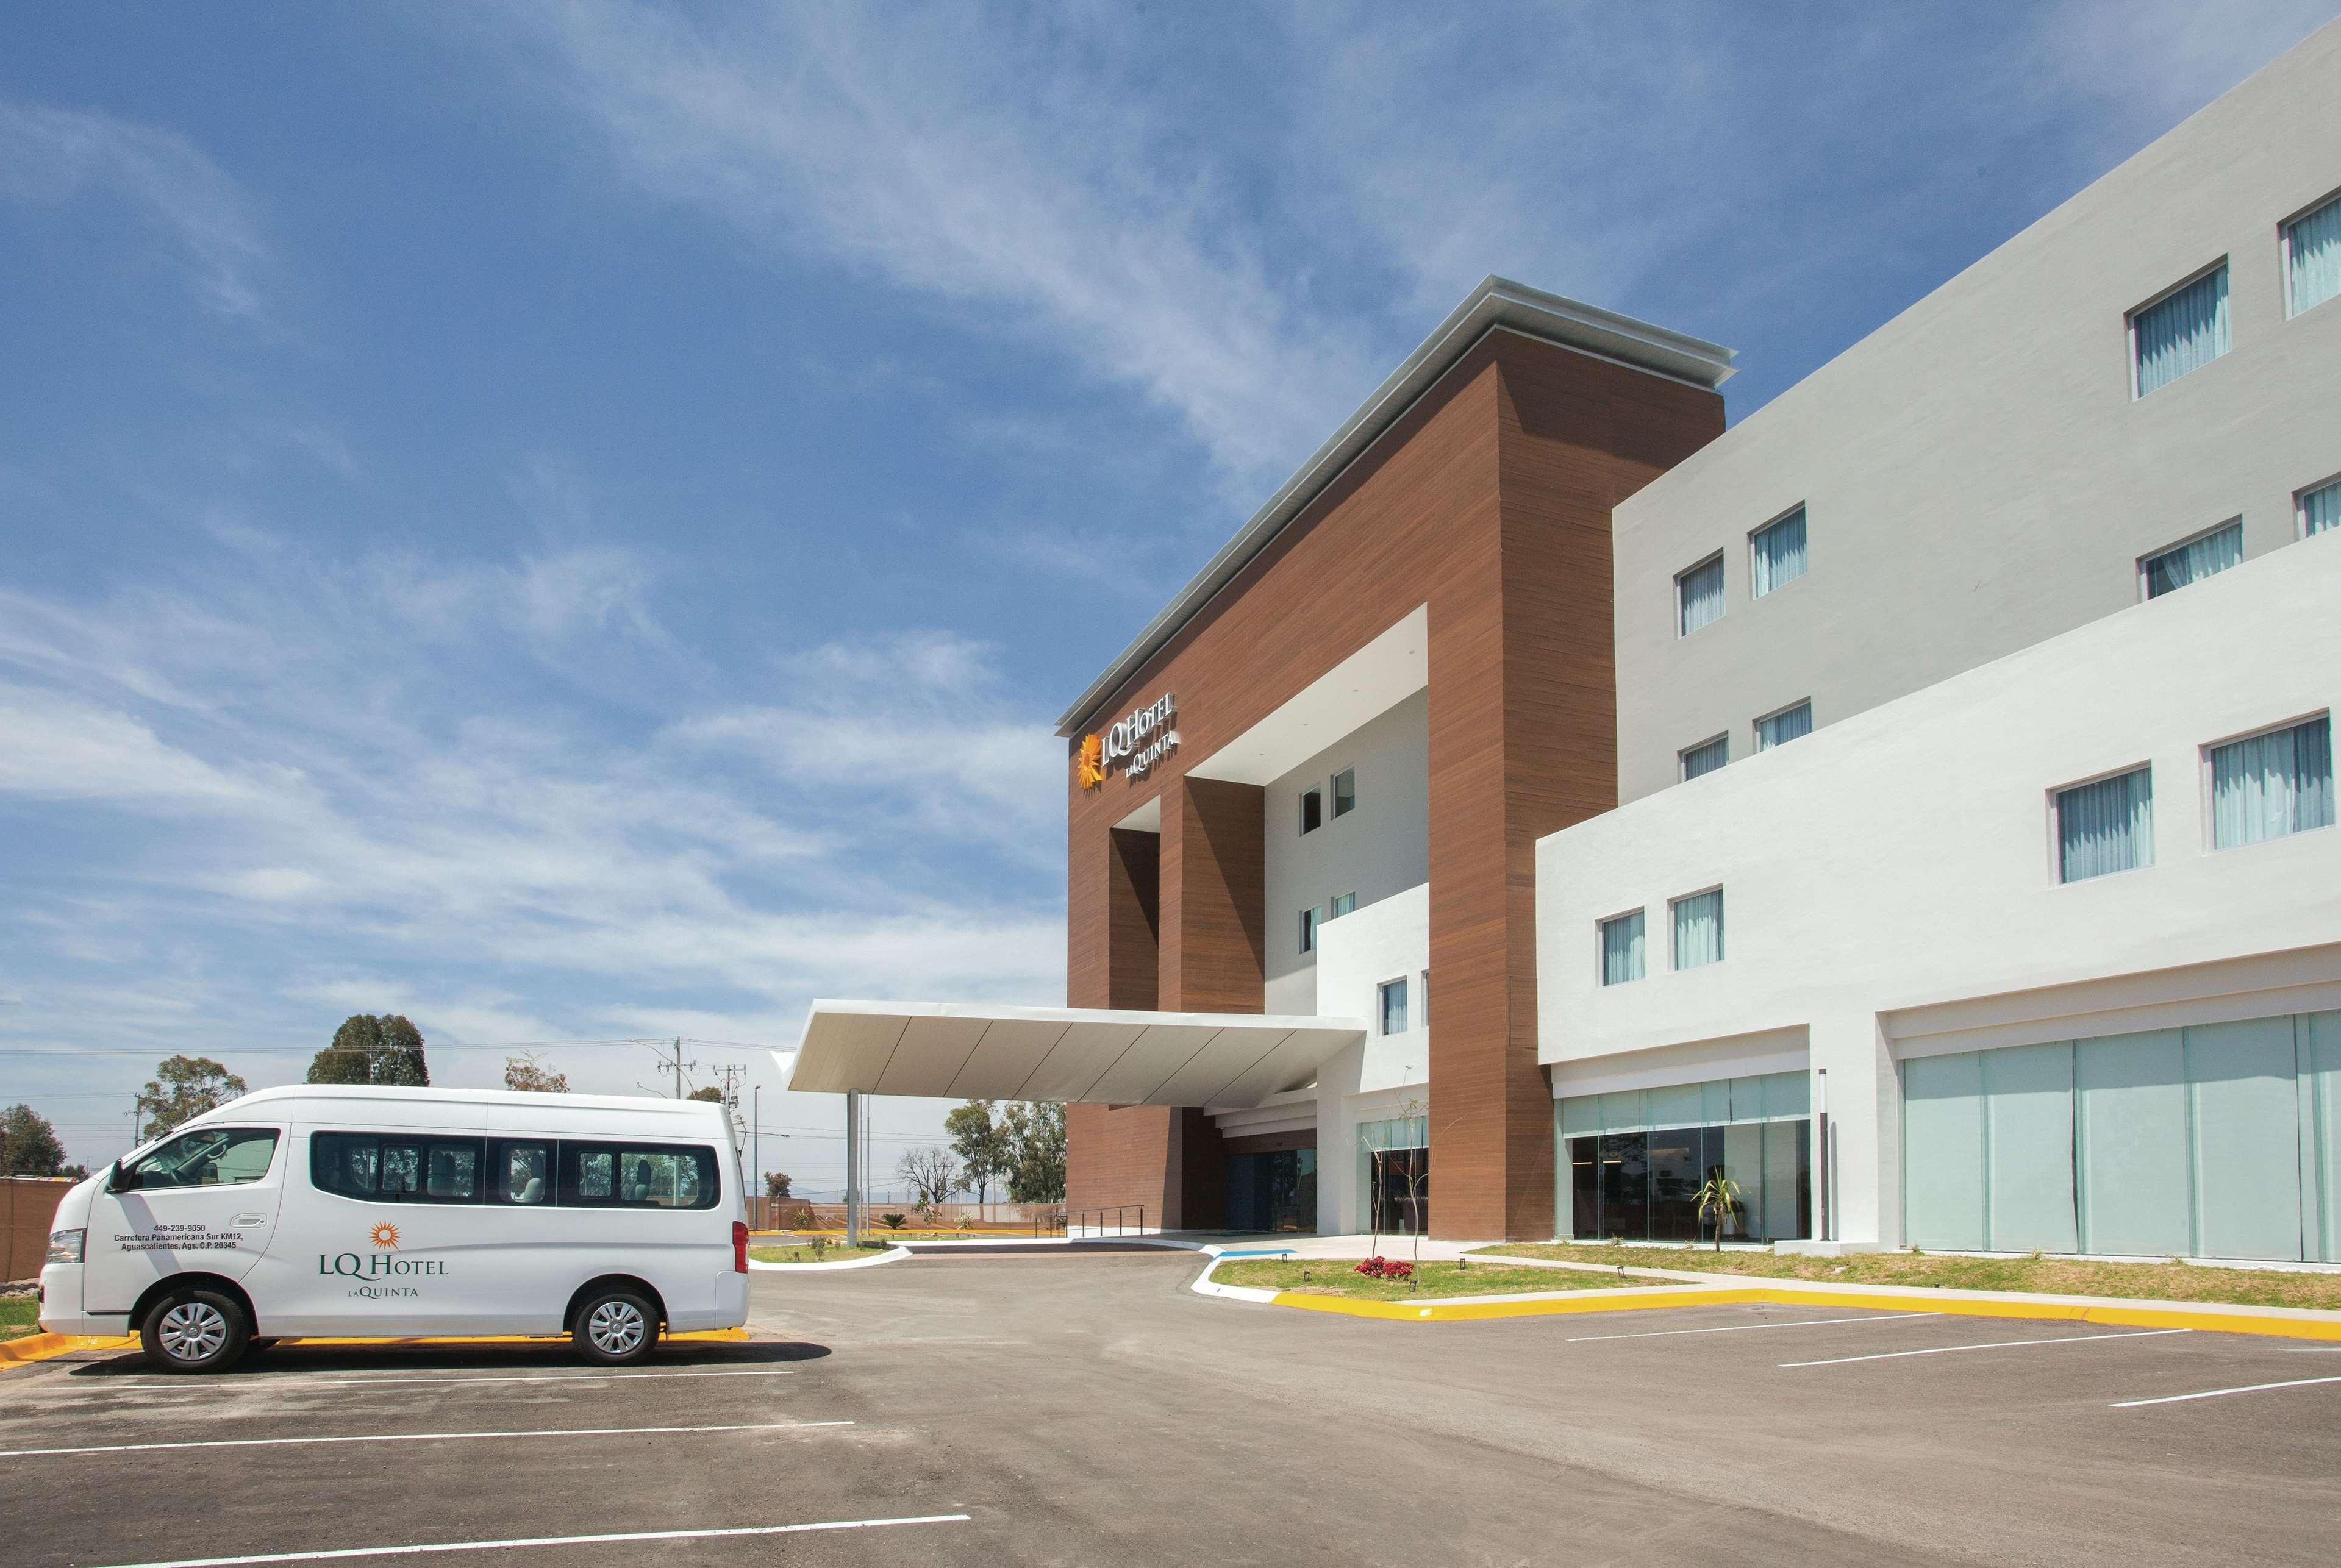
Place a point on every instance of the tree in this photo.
(1036, 1136)
(1717, 1196)
(776, 1184)
(28, 1144)
(529, 1075)
(711, 1093)
(983, 1145)
(932, 1173)
(185, 1088)
(402, 1062)
(350, 1058)
(370, 1049)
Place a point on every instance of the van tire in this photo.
(615, 1327)
(194, 1330)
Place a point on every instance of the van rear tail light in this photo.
(65, 1245)
(739, 1247)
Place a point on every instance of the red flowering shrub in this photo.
(1385, 1268)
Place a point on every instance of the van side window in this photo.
(396, 1169)
(589, 1178)
(208, 1157)
(520, 1172)
(638, 1175)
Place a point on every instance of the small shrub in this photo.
(894, 1221)
(967, 1222)
(1385, 1268)
(820, 1248)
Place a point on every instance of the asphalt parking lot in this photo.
(1093, 1410)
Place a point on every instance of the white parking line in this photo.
(416, 1437)
(2221, 1393)
(1743, 1327)
(302, 1380)
(2002, 1344)
(547, 1541)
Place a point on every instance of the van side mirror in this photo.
(118, 1179)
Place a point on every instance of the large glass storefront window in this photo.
(1394, 1174)
(1636, 1162)
(1272, 1192)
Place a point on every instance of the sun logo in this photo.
(1088, 766)
(384, 1234)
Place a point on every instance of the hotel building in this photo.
(1912, 801)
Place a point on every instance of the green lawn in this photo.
(1337, 1277)
(2047, 1275)
(837, 1254)
(19, 1314)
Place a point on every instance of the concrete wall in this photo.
(1976, 475)
(1373, 1079)
(1889, 881)
(1380, 849)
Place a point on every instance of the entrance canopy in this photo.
(1077, 1055)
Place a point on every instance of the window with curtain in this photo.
(2312, 258)
(2183, 331)
(2320, 509)
(1785, 725)
(1309, 918)
(1393, 1007)
(2269, 785)
(1621, 949)
(1698, 596)
(1699, 929)
(2106, 826)
(2194, 561)
(1707, 759)
(1777, 553)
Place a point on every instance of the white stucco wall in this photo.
(1370, 1081)
(1902, 860)
(1977, 476)
(1381, 848)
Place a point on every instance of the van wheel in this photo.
(614, 1328)
(194, 1330)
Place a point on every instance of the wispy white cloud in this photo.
(317, 787)
(51, 155)
(1016, 176)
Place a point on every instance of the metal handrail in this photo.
(1078, 1218)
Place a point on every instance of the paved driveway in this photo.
(1091, 1410)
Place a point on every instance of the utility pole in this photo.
(756, 1150)
(676, 1064)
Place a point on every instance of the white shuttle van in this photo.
(333, 1209)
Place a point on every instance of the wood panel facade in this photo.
(1488, 503)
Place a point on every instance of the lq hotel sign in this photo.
(1135, 744)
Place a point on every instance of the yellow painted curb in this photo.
(2124, 1314)
(41, 1346)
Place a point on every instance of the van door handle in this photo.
(250, 1219)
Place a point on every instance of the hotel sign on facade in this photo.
(1136, 743)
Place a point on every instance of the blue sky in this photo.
(572, 523)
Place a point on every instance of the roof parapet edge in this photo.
(1498, 301)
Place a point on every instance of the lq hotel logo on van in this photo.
(1137, 743)
(384, 1264)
